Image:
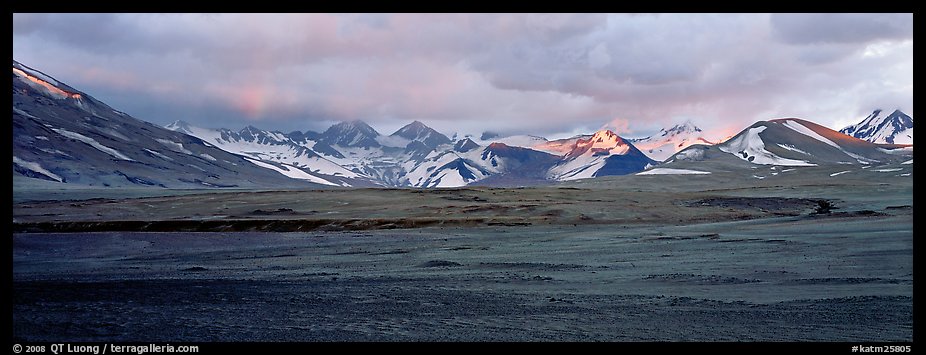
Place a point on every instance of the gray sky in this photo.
(544, 74)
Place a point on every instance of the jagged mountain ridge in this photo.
(353, 153)
(896, 128)
(417, 155)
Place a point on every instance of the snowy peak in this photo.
(683, 128)
(351, 134)
(417, 131)
(603, 153)
(667, 142)
(180, 126)
(896, 128)
(603, 142)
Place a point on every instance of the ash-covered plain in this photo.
(810, 257)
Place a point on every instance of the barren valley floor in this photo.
(611, 261)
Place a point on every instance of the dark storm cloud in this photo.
(541, 73)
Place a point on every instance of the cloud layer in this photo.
(535, 73)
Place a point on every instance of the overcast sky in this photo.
(544, 74)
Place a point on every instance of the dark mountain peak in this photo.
(351, 134)
(347, 127)
(412, 130)
(417, 131)
(900, 116)
(465, 145)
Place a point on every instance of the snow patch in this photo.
(208, 157)
(92, 142)
(901, 151)
(36, 167)
(750, 145)
(54, 151)
(177, 147)
(908, 162)
(159, 155)
(294, 172)
(839, 173)
(888, 170)
(799, 128)
(670, 171)
(793, 149)
(24, 113)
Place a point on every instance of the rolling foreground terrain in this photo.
(813, 253)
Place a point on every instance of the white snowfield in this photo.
(93, 143)
(292, 172)
(799, 128)
(280, 153)
(36, 167)
(582, 167)
(420, 175)
(904, 137)
(670, 171)
(751, 143)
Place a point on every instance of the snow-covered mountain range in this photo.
(63, 135)
(417, 155)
